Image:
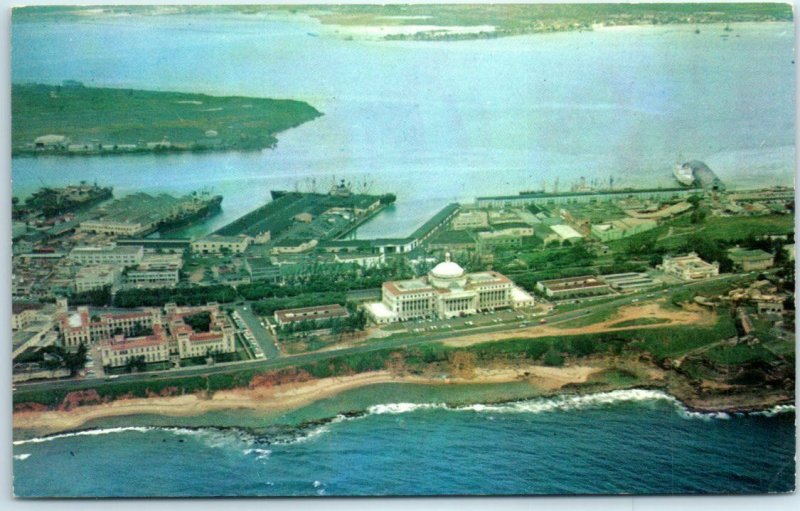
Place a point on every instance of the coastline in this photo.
(536, 381)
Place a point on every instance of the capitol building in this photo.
(446, 292)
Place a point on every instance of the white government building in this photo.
(447, 291)
(689, 267)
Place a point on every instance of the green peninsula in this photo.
(457, 22)
(72, 119)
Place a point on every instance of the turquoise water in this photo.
(639, 442)
(434, 122)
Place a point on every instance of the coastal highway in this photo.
(400, 340)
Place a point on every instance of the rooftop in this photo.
(573, 282)
(408, 286)
(316, 313)
(435, 221)
(219, 238)
(18, 307)
(565, 231)
(113, 248)
(749, 254)
(623, 193)
(120, 343)
(447, 270)
(485, 277)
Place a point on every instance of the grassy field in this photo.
(736, 228)
(597, 316)
(127, 116)
(675, 234)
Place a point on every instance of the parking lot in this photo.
(255, 332)
(522, 317)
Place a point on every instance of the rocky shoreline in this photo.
(543, 383)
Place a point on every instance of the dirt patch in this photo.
(690, 315)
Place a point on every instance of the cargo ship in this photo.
(684, 174)
(697, 174)
(198, 207)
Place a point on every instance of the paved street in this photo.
(263, 337)
(402, 339)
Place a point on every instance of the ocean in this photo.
(432, 122)
(634, 441)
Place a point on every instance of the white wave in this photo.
(211, 437)
(88, 432)
(396, 408)
(567, 403)
(570, 403)
(223, 438)
(261, 453)
(305, 436)
(775, 410)
(311, 434)
(22, 457)
(563, 403)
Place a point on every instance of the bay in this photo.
(433, 122)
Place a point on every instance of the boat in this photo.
(698, 174)
(684, 174)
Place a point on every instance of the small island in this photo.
(73, 119)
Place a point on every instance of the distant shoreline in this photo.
(75, 120)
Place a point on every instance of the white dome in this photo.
(447, 270)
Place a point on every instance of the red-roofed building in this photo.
(220, 338)
(82, 327)
(118, 351)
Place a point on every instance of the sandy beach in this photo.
(380, 31)
(284, 397)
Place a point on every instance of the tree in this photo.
(536, 349)
(96, 297)
(75, 361)
(583, 346)
(140, 330)
(694, 200)
(136, 364)
(553, 358)
(698, 216)
(644, 244)
(199, 322)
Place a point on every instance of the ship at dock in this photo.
(697, 174)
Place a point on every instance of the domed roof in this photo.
(447, 270)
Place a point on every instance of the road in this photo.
(403, 339)
(263, 337)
